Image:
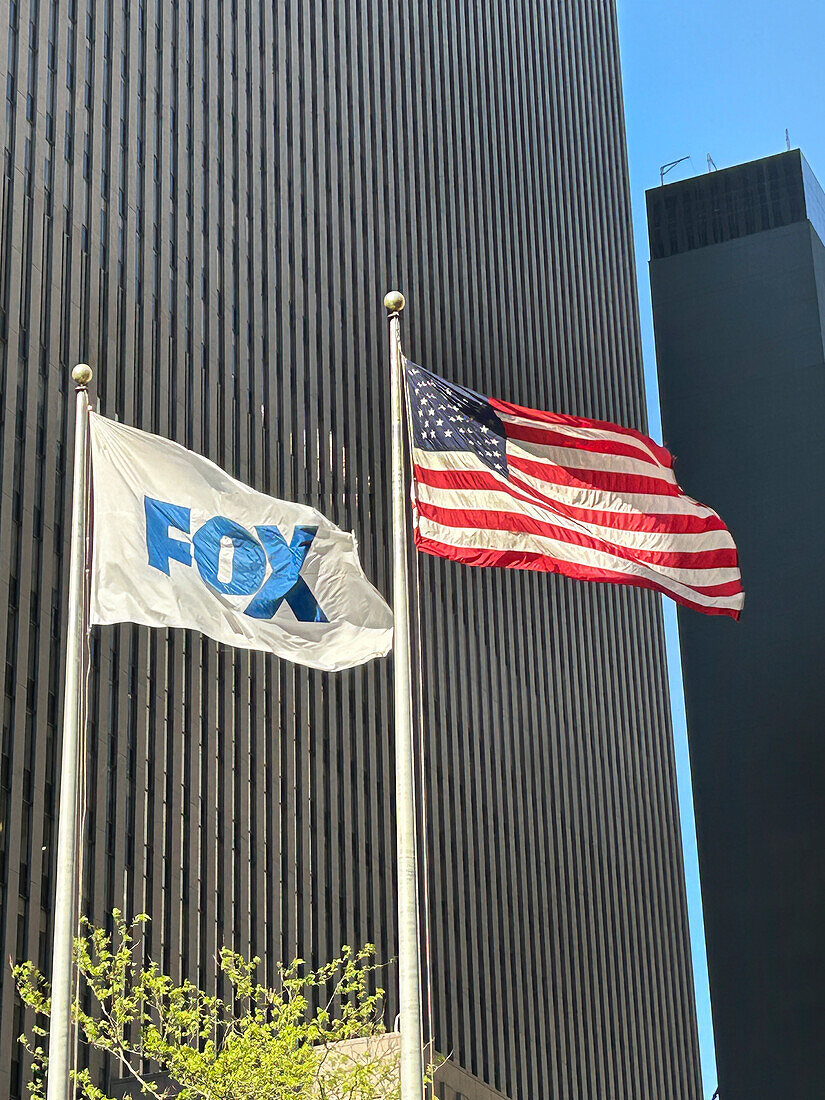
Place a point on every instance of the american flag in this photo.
(498, 484)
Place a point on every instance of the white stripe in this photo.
(598, 500)
(501, 501)
(579, 432)
(600, 559)
(472, 538)
(608, 500)
(587, 460)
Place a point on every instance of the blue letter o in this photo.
(248, 558)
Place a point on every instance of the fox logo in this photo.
(234, 561)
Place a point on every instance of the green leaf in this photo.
(264, 1042)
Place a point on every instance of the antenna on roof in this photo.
(711, 164)
(663, 171)
(787, 139)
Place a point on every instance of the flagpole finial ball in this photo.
(82, 374)
(394, 301)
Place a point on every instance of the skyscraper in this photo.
(738, 277)
(207, 202)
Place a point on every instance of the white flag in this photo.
(180, 543)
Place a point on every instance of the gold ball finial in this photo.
(82, 374)
(394, 301)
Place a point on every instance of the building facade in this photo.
(738, 277)
(207, 202)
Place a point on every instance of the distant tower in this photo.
(738, 278)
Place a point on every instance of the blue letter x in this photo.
(285, 581)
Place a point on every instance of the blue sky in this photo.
(725, 78)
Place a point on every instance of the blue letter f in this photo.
(160, 516)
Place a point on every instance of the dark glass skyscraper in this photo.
(207, 202)
(738, 277)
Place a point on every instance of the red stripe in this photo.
(606, 480)
(491, 520)
(512, 489)
(657, 522)
(543, 563)
(530, 434)
(601, 480)
(507, 407)
(457, 479)
(664, 523)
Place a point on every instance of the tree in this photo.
(293, 1040)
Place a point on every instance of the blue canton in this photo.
(446, 417)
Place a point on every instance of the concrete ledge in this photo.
(452, 1082)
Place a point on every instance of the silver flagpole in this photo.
(409, 960)
(65, 916)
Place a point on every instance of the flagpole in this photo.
(60, 1028)
(409, 959)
